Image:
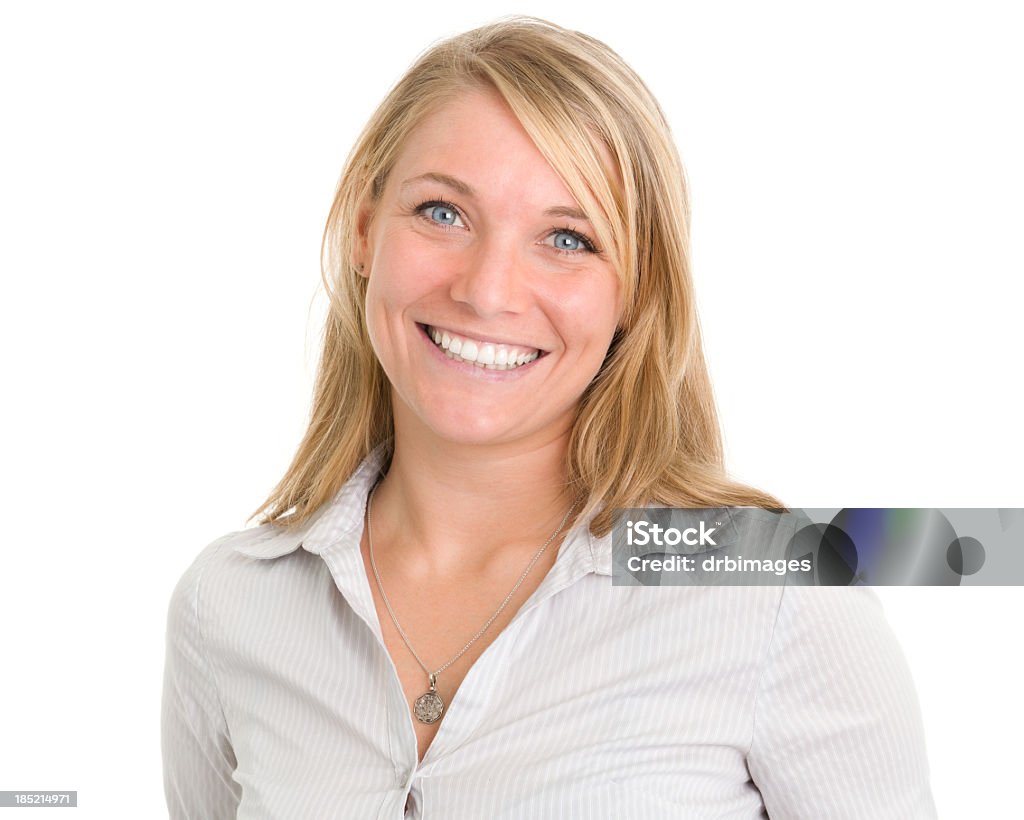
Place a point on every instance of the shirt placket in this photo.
(344, 561)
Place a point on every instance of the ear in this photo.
(362, 249)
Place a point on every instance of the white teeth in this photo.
(482, 354)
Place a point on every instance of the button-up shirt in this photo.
(281, 701)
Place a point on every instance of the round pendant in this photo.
(428, 707)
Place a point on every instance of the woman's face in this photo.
(473, 242)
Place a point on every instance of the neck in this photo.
(452, 508)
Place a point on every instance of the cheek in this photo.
(402, 273)
(589, 312)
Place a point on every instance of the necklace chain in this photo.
(387, 603)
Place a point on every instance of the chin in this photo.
(465, 435)
(462, 430)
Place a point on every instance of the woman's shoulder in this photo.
(214, 551)
(224, 556)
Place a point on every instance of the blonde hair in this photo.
(647, 429)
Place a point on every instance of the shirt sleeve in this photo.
(837, 724)
(198, 760)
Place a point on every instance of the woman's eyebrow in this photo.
(466, 190)
(571, 213)
(443, 179)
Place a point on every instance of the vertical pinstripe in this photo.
(280, 700)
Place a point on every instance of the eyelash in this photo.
(588, 244)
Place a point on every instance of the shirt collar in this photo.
(343, 514)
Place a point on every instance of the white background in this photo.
(856, 180)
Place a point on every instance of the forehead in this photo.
(477, 138)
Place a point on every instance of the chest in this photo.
(598, 703)
(595, 700)
(448, 625)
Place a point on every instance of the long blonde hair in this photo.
(646, 429)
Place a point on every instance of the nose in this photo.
(492, 278)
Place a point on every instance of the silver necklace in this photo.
(429, 706)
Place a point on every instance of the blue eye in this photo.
(570, 242)
(443, 214)
(438, 212)
(567, 241)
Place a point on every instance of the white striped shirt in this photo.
(281, 701)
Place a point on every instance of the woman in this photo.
(512, 352)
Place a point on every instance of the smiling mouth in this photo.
(488, 355)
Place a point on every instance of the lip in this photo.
(479, 337)
(473, 369)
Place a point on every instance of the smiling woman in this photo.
(495, 275)
(423, 622)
